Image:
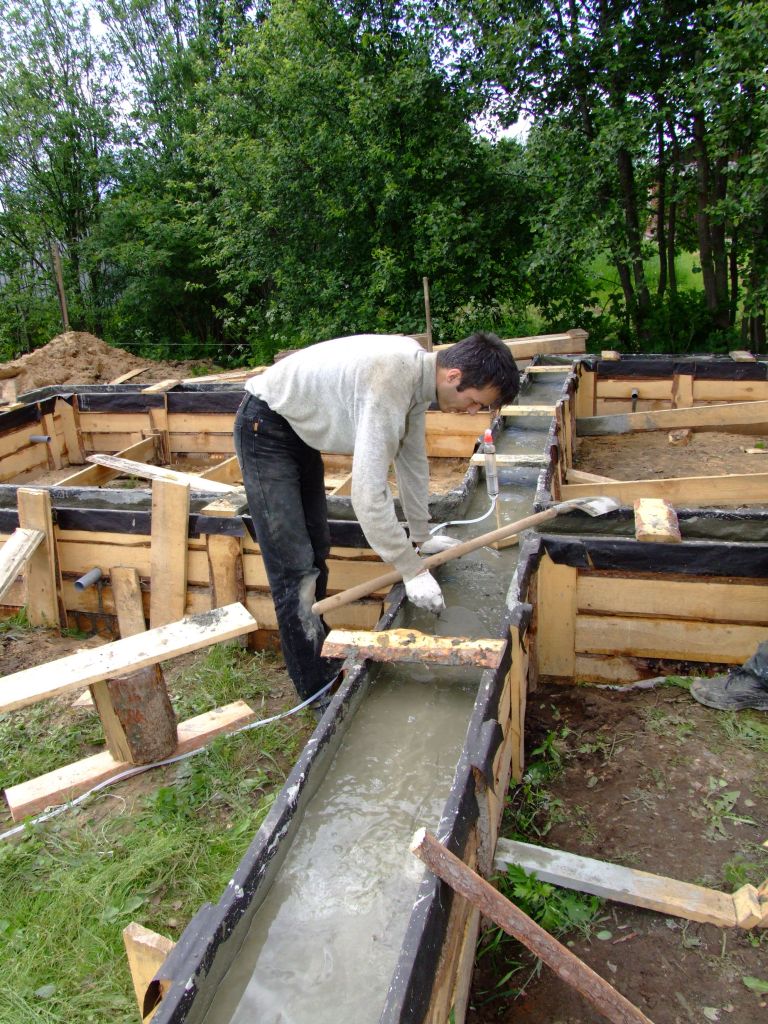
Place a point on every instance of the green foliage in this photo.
(557, 910)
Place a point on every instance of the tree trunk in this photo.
(634, 242)
(711, 240)
(660, 205)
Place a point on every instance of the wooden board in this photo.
(511, 459)
(96, 475)
(556, 609)
(169, 557)
(404, 645)
(656, 522)
(69, 782)
(614, 882)
(527, 410)
(43, 580)
(682, 492)
(15, 553)
(130, 467)
(666, 638)
(699, 417)
(146, 952)
(705, 600)
(156, 645)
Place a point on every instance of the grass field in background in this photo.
(606, 279)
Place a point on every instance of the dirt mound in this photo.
(77, 357)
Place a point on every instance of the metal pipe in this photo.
(87, 580)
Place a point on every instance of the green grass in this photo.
(605, 278)
(68, 887)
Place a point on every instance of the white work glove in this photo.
(425, 592)
(439, 542)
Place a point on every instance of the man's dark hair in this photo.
(484, 361)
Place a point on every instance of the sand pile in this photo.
(77, 357)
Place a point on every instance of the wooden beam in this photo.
(741, 356)
(146, 951)
(94, 476)
(614, 882)
(579, 476)
(586, 392)
(15, 554)
(702, 600)
(515, 922)
(228, 471)
(345, 487)
(682, 492)
(74, 779)
(170, 530)
(130, 373)
(403, 645)
(77, 670)
(656, 522)
(556, 603)
(548, 369)
(527, 410)
(511, 459)
(43, 581)
(72, 438)
(161, 386)
(676, 639)
(228, 505)
(225, 566)
(132, 468)
(699, 417)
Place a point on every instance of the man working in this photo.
(365, 395)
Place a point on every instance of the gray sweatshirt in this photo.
(365, 395)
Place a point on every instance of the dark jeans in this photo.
(284, 483)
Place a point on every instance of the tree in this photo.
(58, 139)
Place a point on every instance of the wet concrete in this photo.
(324, 942)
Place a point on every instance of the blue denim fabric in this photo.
(285, 487)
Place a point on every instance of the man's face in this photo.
(471, 400)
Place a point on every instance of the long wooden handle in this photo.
(566, 965)
(388, 578)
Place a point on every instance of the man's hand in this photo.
(438, 543)
(425, 592)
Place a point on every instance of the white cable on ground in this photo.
(139, 768)
(465, 522)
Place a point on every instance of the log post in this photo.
(135, 710)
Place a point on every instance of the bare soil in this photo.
(649, 455)
(644, 785)
(77, 357)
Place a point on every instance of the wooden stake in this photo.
(467, 883)
(59, 277)
(147, 951)
(170, 529)
(43, 582)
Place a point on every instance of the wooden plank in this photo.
(170, 528)
(621, 388)
(682, 390)
(146, 952)
(78, 670)
(72, 439)
(345, 487)
(130, 467)
(455, 425)
(511, 459)
(579, 476)
(201, 423)
(33, 457)
(98, 474)
(56, 460)
(115, 422)
(527, 410)
(161, 386)
(557, 618)
(614, 882)
(465, 882)
(518, 683)
(536, 370)
(228, 471)
(656, 522)
(225, 561)
(741, 356)
(705, 600)
(676, 639)
(43, 580)
(682, 492)
(719, 391)
(129, 375)
(585, 392)
(699, 417)
(229, 505)
(15, 553)
(404, 645)
(69, 782)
